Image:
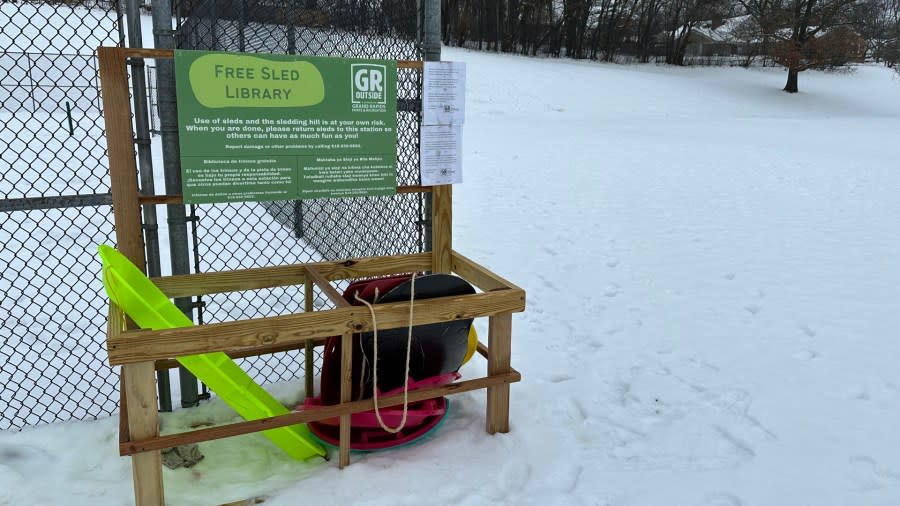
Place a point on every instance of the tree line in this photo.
(797, 34)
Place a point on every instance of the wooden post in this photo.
(138, 379)
(346, 396)
(143, 422)
(442, 228)
(120, 143)
(499, 355)
(308, 347)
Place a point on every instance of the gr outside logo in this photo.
(368, 84)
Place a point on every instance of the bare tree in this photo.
(795, 25)
(576, 14)
(681, 17)
(878, 21)
(647, 24)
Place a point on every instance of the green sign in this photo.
(275, 127)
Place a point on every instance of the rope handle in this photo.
(412, 296)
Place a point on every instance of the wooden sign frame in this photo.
(141, 352)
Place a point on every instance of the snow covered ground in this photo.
(712, 277)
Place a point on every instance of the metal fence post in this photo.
(291, 32)
(145, 165)
(242, 25)
(431, 46)
(164, 38)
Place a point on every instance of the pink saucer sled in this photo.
(366, 433)
(438, 350)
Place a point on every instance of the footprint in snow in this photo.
(560, 378)
(753, 309)
(635, 313)
(595, 309)
(870, 475)
(806, 355)
(611, 290)
(808, 331)
(514, 476)
(547, 283)
(612, 263)
(614, 328)
(729, 276)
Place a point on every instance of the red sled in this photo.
(437, 351)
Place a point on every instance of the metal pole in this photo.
(432, 27)
(164, 38)
(145, 164)
(431, 47)
(242, 24)
(120, 22)
(290, 29)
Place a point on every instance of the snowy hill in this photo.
(712, 273)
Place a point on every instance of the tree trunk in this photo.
(791, 86)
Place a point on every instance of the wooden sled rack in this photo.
(140, 353)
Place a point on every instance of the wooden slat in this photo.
(115, 320)
(482, 349)
(162, 365)
(499, 354)
(309, 415)
(137, 52)
(410, 64)
(336, 298)
(346, 396)
(115, 325)
(442, 227)
(414, 189)
(160, 199)
(120, 149)
(144, 345)
(143, 423)
(478, 275)
(188, 285)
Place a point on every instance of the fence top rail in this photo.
(170, 53)
(178, 199)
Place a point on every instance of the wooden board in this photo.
(269, 277)
(442, 227)
(319, 280)
(499, 354)
(478, 275)
(310, 415)
(162, 365)
(120, 146)
(150, 345)
(143, 422)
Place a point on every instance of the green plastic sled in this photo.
(144, 303)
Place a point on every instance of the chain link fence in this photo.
(54, 210)
(54, 187)
(233, 236)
